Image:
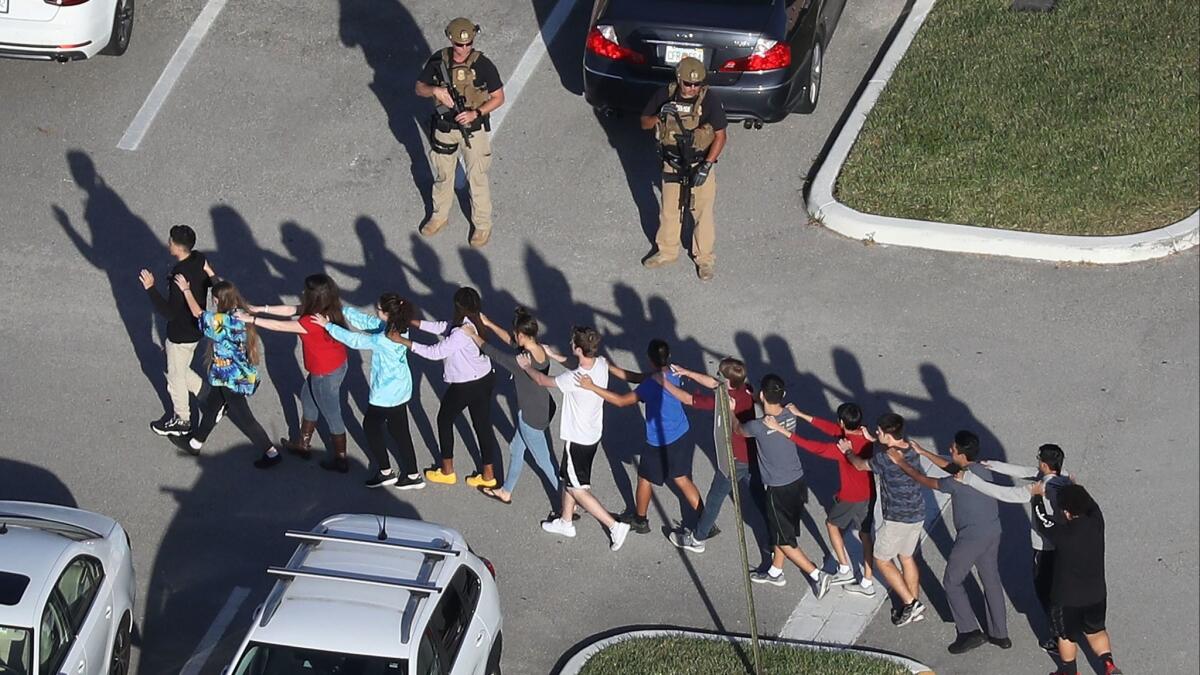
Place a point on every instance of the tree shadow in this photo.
(203, 558)
(119, 243)
(395, 48)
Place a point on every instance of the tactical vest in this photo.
(689, 115)
(461, 76)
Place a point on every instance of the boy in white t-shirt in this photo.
(582, 424)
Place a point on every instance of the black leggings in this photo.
(395, 419)
(476, 397)
(238, 408)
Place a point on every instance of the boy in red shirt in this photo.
(854, 504)
(734, 372)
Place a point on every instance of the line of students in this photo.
(1067, 532)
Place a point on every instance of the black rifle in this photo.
(687, 165)
(460, 105)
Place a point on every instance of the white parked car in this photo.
(66, 592)
(374, 595)
(64, 30)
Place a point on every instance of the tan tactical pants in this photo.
(704, 235)
(478, 159)
(181, 379)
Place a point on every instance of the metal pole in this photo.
(722, 435)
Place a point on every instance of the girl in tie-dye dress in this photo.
(233, 375)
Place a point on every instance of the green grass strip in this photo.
(698, 656)
(1084, 120)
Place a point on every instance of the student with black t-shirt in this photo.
(1078, 591)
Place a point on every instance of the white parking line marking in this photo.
(217, 629)
(530, 59)
(166, 82)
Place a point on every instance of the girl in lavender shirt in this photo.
(471, 379)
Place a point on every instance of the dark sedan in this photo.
(763, 56)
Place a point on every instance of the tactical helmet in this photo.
(462, 31)
(690, 70)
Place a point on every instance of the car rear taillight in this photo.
(490, 567)
(64, 3)
(767, 55)
(602, 41)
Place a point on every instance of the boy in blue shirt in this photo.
(668, 452)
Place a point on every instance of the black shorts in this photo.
(672, 461)
(785, 506)
(1068, 622)
(577, 465)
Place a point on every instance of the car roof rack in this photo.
(418, 590)
(304, 572)
(435, 547)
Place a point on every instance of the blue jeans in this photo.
(321, 396)
(720, 489)
(533, 440)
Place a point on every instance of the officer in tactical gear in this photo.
(465, 87)
(689, 123)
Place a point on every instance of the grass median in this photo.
(700, 656)
(1079, 121)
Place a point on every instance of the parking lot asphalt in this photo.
(292, 143)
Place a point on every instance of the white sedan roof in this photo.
(31, 547)
(360, 618)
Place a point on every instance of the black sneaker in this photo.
(1050, 645)
(413, 482)
(380, 479)
(267, 461)
(965, 642)
(636, 523)
(907, 615)
(1002, 643)
(713, 532)
(172, 426)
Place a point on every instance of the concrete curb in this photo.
(867, 227)
(576, 662)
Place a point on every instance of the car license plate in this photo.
(674, 54)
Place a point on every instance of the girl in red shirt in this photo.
(325, 361)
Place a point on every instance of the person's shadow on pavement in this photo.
(395, 48)
(119, 243)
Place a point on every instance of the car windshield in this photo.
(16, 651)
(264, 659)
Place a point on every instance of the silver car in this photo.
(66, 592)
(378, 596)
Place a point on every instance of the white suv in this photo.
(376, 595)
(66, 592)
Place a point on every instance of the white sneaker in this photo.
(840, 579)
(766, 578)
(618, 533)
(687, 541)
(560, 527)
(859, 589)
